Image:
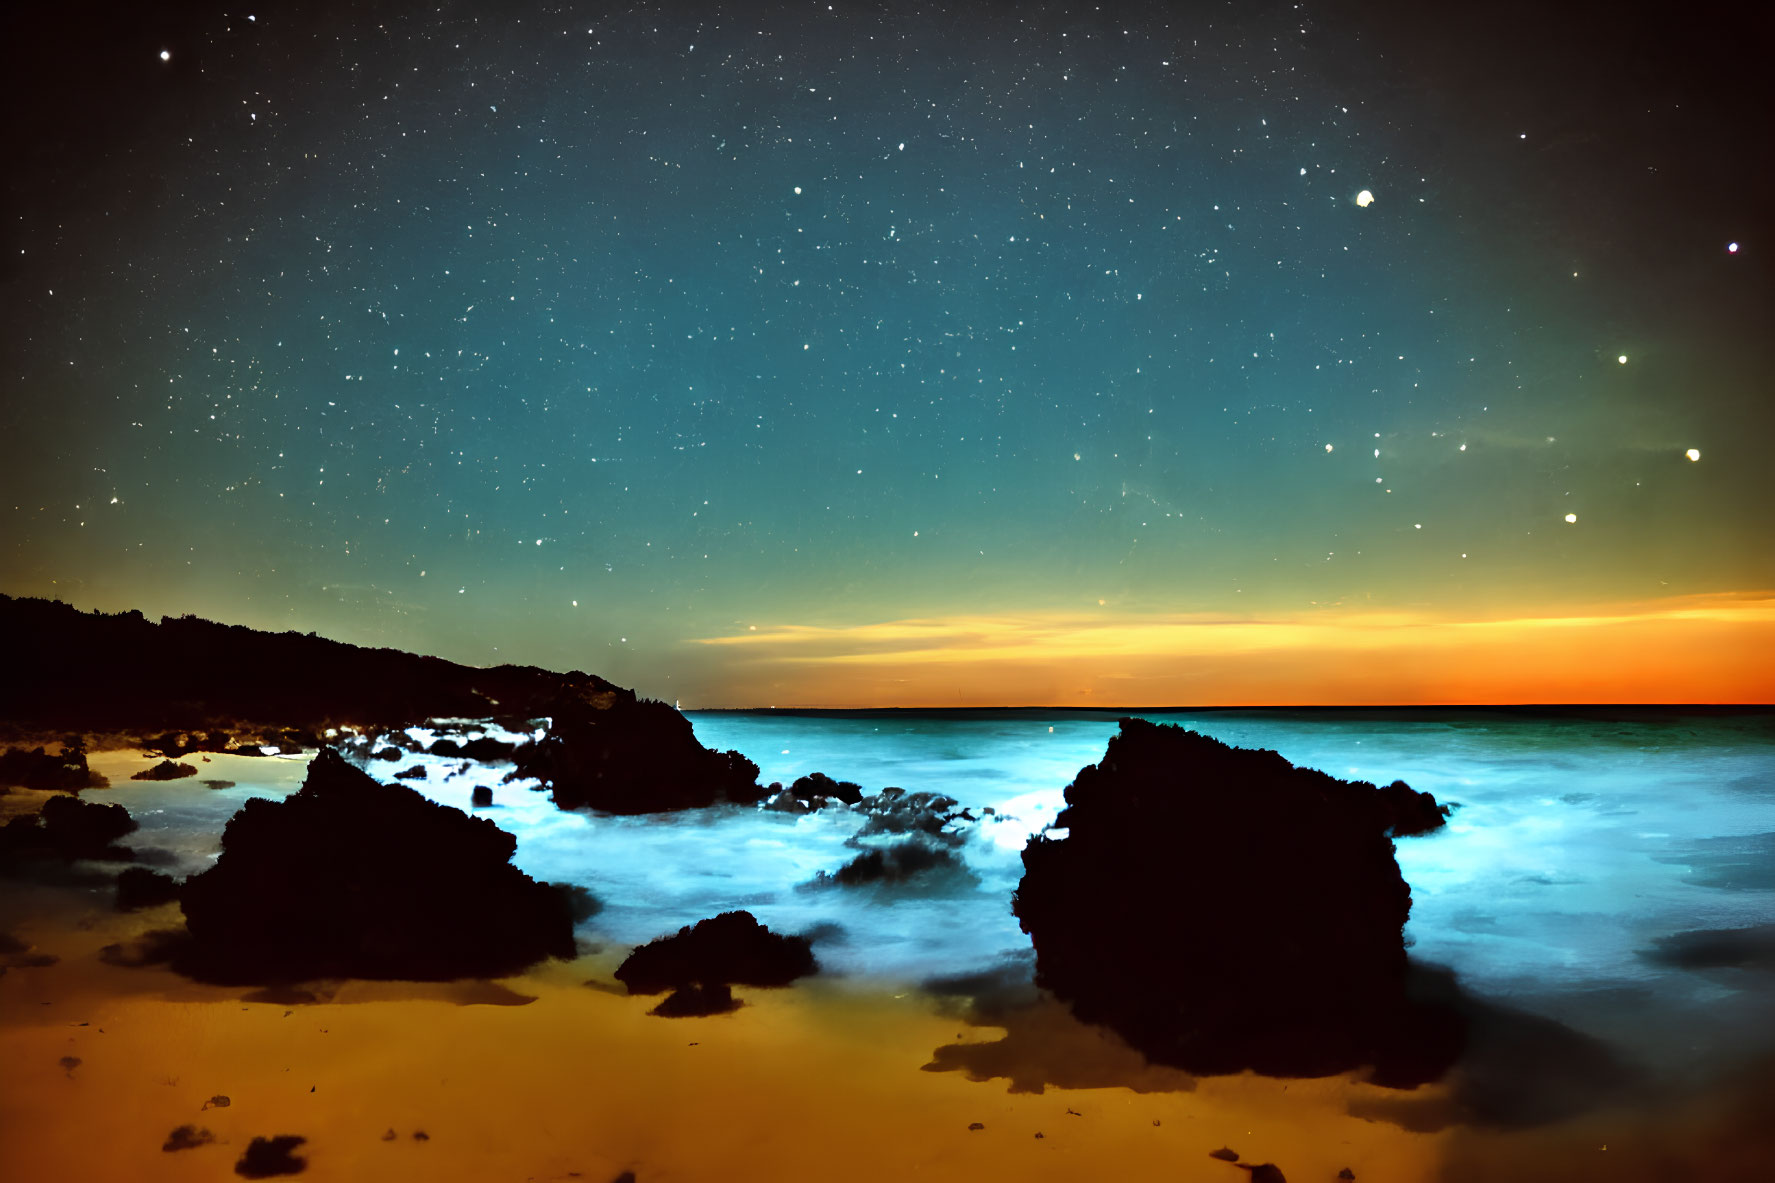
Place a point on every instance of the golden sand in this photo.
(548, 1077)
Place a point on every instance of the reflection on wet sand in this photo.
(797, 1084)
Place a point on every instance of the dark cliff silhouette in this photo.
(1221, 910)
(606, 748)
(192, 673)
(351, 878)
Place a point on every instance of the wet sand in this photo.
(547, 1077)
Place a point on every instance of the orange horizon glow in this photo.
(1717, 648)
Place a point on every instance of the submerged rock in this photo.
(1221, 910)
(613, 752)
(351, 878)
(729, 949)
(897, 864)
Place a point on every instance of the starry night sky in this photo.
(864, 353)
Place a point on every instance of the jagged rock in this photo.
(416, 772)
(619, 754)
(1223, 910)
(166, 770)
(895, 811)
(351, 878)
(480, 796)
(729, 949)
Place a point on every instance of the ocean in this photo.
(1576, 844)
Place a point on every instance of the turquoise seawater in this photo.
(1576, 844)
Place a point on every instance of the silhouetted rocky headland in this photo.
(1221, 910)
(208, 678)
(701, 961)
(615, 752)
(352, 878)
(607, 749)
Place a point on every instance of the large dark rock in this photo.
(613, 752)
(729, 949)
(68, 828)
(1221, 910)
(351, 878)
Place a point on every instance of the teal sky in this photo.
(572, 336)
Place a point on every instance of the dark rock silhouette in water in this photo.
(817, 789)
(166, 770)
(1221, 910)
(480, 796)
(138, 887)
(267, 1157)
(895, 811)
(351, 878)
(617, 753)
(35, 769)
(896, 864)
(68, 828)
(729, 949)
